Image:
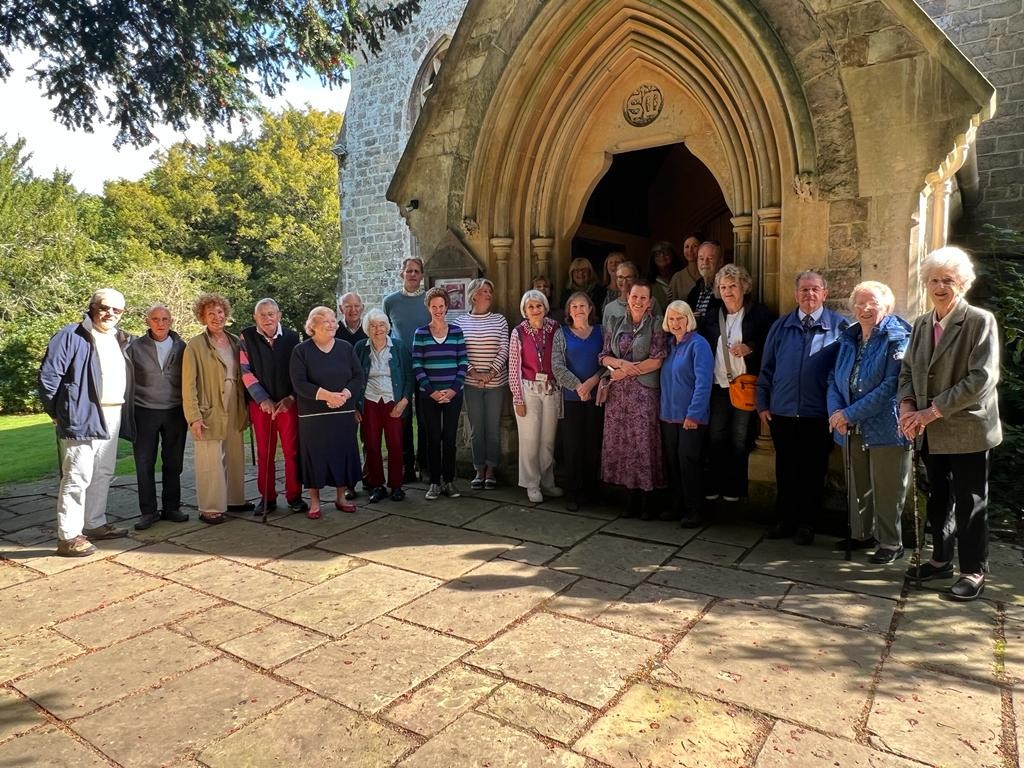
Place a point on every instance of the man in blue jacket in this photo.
(791, 399)
(86, 386)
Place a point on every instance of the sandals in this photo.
(214, 519)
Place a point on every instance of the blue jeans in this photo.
(483, 410)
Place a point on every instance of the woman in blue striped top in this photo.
(439, 362)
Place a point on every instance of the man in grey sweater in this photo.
(159, 419)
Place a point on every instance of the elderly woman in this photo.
(862, 408)
(214, 403)
(439, 362)
(947, 392)
(328, 382)
(535, 396)
(685, 404)
(662, 264)
(574, 359)
(583, 278)
(685, 279)
(387, 391)
(736, 329)
(634, 350)
(486, 335)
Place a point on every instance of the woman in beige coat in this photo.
(214, 401)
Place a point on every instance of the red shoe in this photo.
(343, 507)
(314, 513)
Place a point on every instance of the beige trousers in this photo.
(220, 464)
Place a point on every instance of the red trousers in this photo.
(377, 419)
(267, 430)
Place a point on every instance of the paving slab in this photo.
(134, 615)
(544, 715)
(17, 715)
(851, 608)
(28, 653)
(1013, 650)
(434, 550)
(787, 666)
(245, 542)
(588, 664)
(718, 581)
(610, 558)
(44, 557)
(205, 705)
(374, 665)
(296, 734)
(587, 598)
(11, 574)
(39, 536)
(537, 525)
(818, 564)
(161, 558)
(273, 644)
(480, 741)
(912, 706)
(743, 535)
(664, 727)
(485, 601)
(440, 702)
(39, 512)
(222, 623)
(312, 565)
(28, 606)
(165, 529)
(249, 587)
(532, 554)
(352, 599)
(49, 747)
(87, 683)
(657, 613)
(453, 512)
(662, 531)
(331, 524)
(950, 636)
(711, 551)
(789, 745)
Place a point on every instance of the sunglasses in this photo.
(116, 310)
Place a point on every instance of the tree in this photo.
(153, 61)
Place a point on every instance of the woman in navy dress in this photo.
(328, 381)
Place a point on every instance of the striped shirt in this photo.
(487, 345)
(439, 364)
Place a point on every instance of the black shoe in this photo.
(146, 521)
(690, 521)
(298, 506)
(780, 531)
(855, 544)
(247, 507)
(174, 516)
(669, 515)
(398, 495)
(885, 556)
(378, 494)
(350, 494)
(964, 589)
(409, 476)
(804, 536)
(271, 506)
(929, 571)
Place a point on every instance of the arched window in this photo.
(426, 78)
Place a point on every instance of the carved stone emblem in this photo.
(806, 187)
(643, 105)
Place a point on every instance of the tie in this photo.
(808, 322)
(936, 335)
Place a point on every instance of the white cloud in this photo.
(91, 158)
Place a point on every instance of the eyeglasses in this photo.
(116, 310)
(945, 282)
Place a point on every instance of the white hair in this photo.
(951, 258)
(375, 316)
(533, 295)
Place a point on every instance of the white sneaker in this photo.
(730, 498)
(449, 490)
(432, 492)
(534, 495)
(554, 492)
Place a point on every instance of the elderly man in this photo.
(264, 353)
(709, 261)
(350, 328)
(86, 387)
(799, 354)
(159, 418)
(406, 312)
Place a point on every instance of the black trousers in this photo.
(168, 430)
(442, 427)
(958, 507)
(414, 451)
(580, 435)
(684, 461)
(731, 434)
(802, 448)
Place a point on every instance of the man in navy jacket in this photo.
(86, 386)
(799, 354)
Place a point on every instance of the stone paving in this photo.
(485, 632)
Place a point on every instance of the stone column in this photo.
(742, 229)
(941, 191)
(541, 251)
(770, 223)
(501, 249)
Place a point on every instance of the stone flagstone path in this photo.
(484, 632)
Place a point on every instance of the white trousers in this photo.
(86, 467)
(537, 439)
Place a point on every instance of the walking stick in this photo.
(269, 465)
(851, 496)
(917, 524)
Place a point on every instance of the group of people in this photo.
(642, 389)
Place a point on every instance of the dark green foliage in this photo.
(160, 61)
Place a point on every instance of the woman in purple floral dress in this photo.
(631, 451)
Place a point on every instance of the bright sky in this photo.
(91, 157)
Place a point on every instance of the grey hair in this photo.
(881, 291)
(533, 295)
(314, 313)
(154, 307)
(101, 294)
(263, 302)
(953, 258)
(345, 295)
(737, 273)
(375, 316)
(682, 308)
(811, 273)
(474, 288)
